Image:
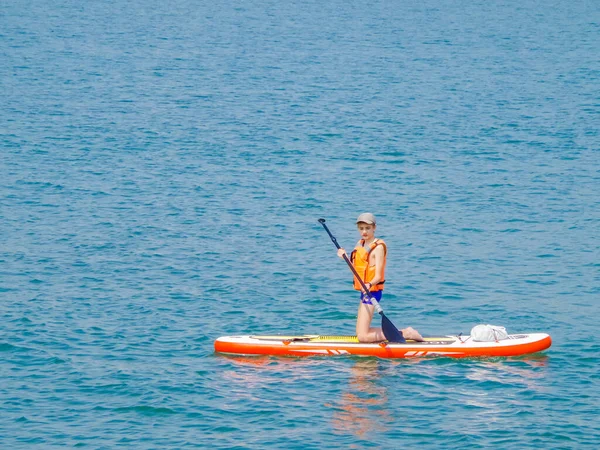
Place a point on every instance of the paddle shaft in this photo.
(362, 283)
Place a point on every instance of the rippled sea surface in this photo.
(163, 166)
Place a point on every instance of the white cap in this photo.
(366, 218)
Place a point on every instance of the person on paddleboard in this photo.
(369, 259)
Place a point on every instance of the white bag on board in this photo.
(488, 333)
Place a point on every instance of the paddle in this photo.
(391, 333)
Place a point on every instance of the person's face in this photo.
(366, 231)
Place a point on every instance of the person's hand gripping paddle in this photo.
(390, 331)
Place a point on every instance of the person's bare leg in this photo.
(364, 331)
(412, 334)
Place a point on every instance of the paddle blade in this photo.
(391, 333)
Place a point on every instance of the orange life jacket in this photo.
(360, 260)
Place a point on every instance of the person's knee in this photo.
(362, 336)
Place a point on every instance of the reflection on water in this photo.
(257, 360)
(488, 385)
(262, 370)
(511, 371)
(359, 389)
(363, 406)
(503, 388)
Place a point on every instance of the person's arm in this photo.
(341, 251)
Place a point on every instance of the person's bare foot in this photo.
(412, 334)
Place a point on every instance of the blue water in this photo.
(163, 166)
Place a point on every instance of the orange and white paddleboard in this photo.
(445, 346)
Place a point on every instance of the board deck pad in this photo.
(351, 339)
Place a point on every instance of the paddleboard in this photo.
(445, 346)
